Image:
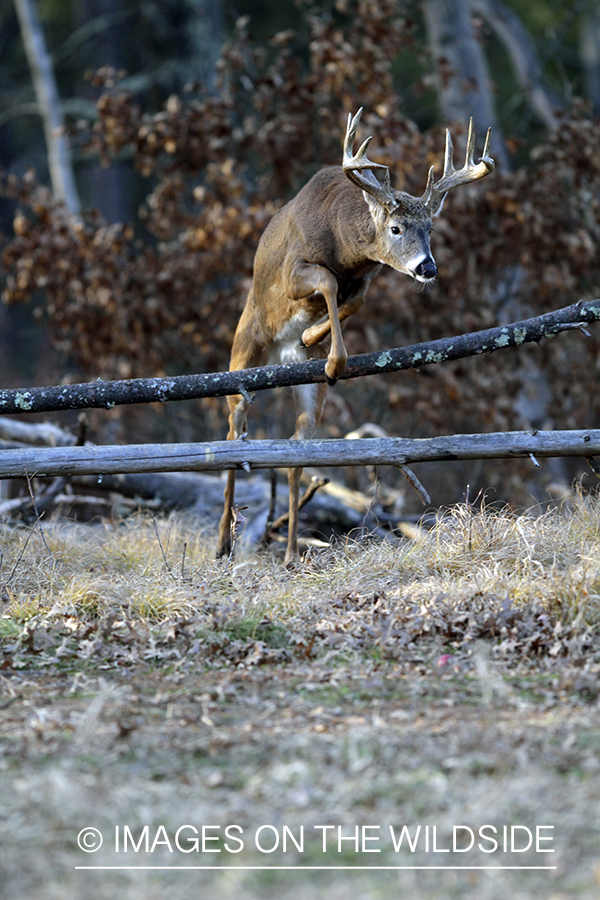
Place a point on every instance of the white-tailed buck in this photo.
(312, 269)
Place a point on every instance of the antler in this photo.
(360, 170)
(471, 171)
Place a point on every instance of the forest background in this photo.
(128, 231)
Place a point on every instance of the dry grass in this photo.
(453, 679)
(155, 571)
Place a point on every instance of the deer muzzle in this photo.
(426, 270)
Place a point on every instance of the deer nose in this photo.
(426, 269)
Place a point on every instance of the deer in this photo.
(312, 270)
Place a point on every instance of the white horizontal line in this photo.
(312, 868)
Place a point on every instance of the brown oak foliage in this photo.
(130, 301)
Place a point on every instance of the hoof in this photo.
(305, 338)
(334, 368)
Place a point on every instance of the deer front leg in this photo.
(352, 302)
(316, 333)
(305, 281)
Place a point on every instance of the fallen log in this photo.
(202, 496)
(46, 433)
(107, 394)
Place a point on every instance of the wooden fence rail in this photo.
(106, 394)
(98, 460)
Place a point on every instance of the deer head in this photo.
(402, 222)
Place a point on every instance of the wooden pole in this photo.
(107, 394)
(243, 454)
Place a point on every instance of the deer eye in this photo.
(395, 229)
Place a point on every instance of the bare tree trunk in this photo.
(48, 99)
(518, 44)
(206, 35)
(464, 84)
(110, 189)
(589, 48)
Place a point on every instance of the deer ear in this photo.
(438, 206)
(378, 211)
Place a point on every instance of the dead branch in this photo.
(107, 394)
(39, 515)
(306, 497)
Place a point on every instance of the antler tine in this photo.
(469, 158)
(448, 154)
(451, 178)
(351, 132)
(360, 169)
(426, 198)
(361, 156)
(487, 145)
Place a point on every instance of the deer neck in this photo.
(355, 233)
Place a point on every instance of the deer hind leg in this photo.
(245, 353)
(238, 407)
(310, 399)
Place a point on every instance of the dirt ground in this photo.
(420, 722)
(298, 745)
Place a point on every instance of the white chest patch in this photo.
(286, 347)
